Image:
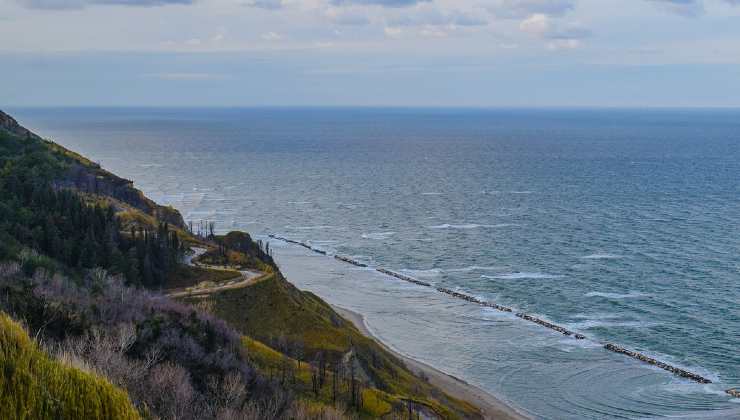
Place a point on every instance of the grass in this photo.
(376, 403)
(273, 311)
(34, 386)
(188, 276)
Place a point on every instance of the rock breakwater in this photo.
(735, 392)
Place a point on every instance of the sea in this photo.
(619, 224)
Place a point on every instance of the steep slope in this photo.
(78, 247)
(300, 326)
(33, 386)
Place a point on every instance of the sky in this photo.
(436, 53)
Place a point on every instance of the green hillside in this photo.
(33, 386)
(87, 262)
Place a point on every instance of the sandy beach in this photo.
(491, 407)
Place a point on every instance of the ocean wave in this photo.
(471, 226)
(523, 276)
(318, 227)
(601, 257)
(432, 272)
(472, 268)
(600, 323)
(608, 295)
(432, 193)
(378, 235)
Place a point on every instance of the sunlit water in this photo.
(621, 225)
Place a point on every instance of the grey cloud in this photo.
(351, 19)
(266, 4)
(570, 32)
(688, 7)
(518, 9)
(79, 4)
(383, 3)
(437, 18)
(682, 7)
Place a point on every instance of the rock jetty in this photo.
(550, 325)
(735, 392)
(649, 360)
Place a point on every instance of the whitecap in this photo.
(521, 192)
(608, 295)
(319, 227)
(432, 272)
(378, 235)
(596, 323)
(472, 268)
(523, 276)
(470, 226)
(602, 257)
(432, 193)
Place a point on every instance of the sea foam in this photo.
(523, 275)
(471, 226)
(616, 296)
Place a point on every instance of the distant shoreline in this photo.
(492, 407)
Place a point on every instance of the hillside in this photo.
(35, 386)
(84, 257)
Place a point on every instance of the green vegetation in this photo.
(237, 250)
(33, 386)
(63, 225)
(299, 326)
(80, 250)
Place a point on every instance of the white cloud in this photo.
(79, 4)
(519, 9)
(271, 36)
(537, 24)
(558, 36)
(392, 32)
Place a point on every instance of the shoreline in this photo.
(490, 406)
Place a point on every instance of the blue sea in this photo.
(623, 225)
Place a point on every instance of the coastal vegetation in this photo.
(86, 264)
(35, 386)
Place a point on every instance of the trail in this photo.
(247, 278)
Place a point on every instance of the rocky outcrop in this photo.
(94, 180)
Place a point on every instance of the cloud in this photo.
(383, 3)
(341, 16)
(689, 8)
(519, 9)
(266, 4)
(434, 17)
(271, 36)
(682, 7)
(558, 36)
(79, 4)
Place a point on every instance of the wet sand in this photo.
(491, 407)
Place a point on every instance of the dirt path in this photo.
(247, 278)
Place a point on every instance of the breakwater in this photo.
(649, 360)
(735, 392)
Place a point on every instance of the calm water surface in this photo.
(623, 225)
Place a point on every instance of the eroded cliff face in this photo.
(101, 182)
(89, 177)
